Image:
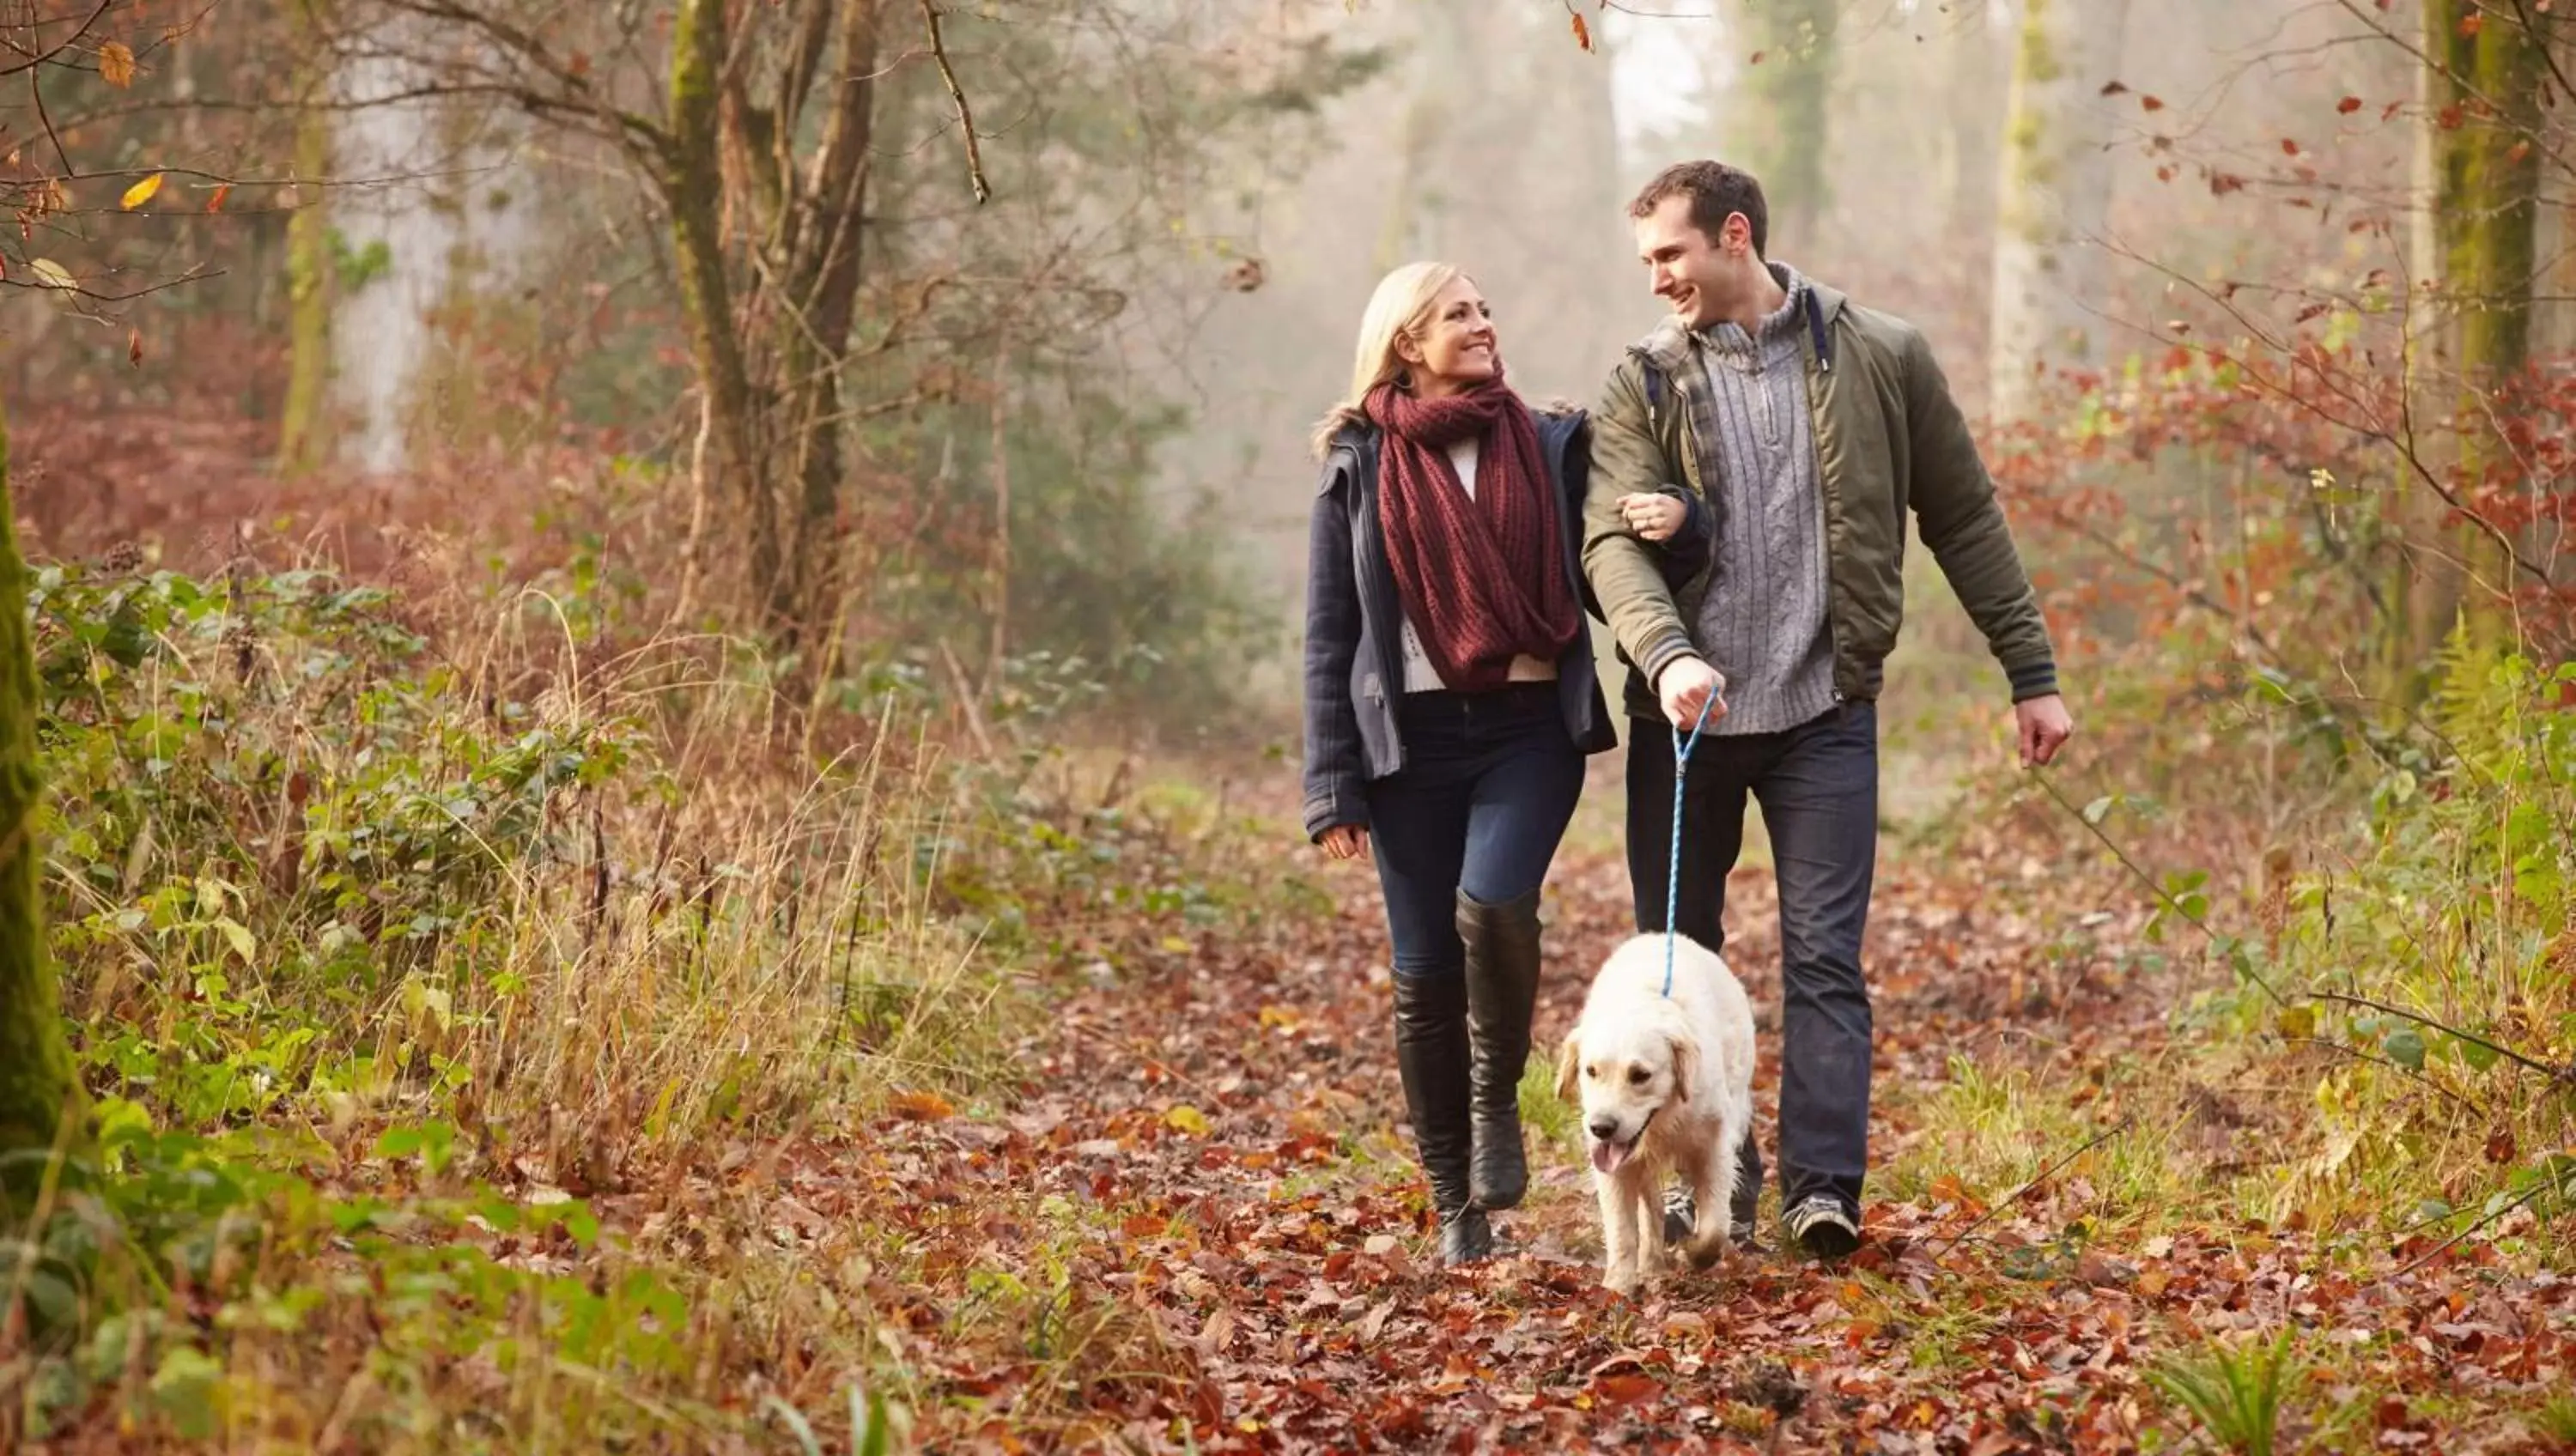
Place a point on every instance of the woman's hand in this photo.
(1651, 516)
(1345, 841)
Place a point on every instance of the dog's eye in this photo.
(1637, 1076)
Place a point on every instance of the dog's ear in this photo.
(1685, 1065)
(1569, 1066)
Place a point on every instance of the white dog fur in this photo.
(1666, 1085)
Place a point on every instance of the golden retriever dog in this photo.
(1666, 1085)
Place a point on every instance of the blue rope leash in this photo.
(1673, 876)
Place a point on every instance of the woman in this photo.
(1450, 700)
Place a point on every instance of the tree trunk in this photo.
(38, 1087)
(2496, 160)
(825, 251)
(2479, 181)
(1791, 88)
(2049, 278)
(1443, 51)
(1982, 70)
(692, 186)
(303, 434)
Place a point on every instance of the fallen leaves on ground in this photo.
(1199, 1226)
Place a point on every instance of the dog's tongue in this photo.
(1606, 1157)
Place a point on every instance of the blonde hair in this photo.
(1400, 306)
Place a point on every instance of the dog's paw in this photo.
(1621, 1280)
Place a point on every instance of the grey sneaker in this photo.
(1681, 1214)
(1681, 1217)
(1820, 1226)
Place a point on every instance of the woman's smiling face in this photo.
(1455, 349)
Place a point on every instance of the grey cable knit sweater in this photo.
(1762, 623)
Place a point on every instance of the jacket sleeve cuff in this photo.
(1339, 803)
(2032, 680)
(1666, 651)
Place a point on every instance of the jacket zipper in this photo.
(1820, 367)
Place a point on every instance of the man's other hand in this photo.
(2041, 724)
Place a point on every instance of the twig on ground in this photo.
(2044, 1175)
(2446, 1245)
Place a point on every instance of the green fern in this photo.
(2473, 705)
(2234, 1393)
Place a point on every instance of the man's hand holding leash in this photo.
(1688, 684)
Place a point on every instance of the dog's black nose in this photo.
(1603, 1127)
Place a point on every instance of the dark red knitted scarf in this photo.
(1483, 579)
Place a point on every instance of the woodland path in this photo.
(1215, 1240)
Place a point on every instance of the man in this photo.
(1808, 425)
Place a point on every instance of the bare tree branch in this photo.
(32, 59)
(957, 94)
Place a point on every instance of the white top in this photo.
(1419, 675)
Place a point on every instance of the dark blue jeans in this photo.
(1817, 784)
(1489, 781)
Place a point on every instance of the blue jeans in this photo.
(1488, 784)
(1817, 784)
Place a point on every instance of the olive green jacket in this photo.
(1888, 439)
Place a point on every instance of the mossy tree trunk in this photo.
(1445, 57)
(813, 236)
(2477, 224)
(771, 349)
(1789, 115)
(38, 1087)
(731, 462)
(2049, 278)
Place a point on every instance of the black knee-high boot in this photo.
(1502, 995)
(1431, 1052)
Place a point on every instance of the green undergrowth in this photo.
(2425, 979)
(2370, 1006)
(397, 951)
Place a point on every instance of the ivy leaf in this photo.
(2405, 1047)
